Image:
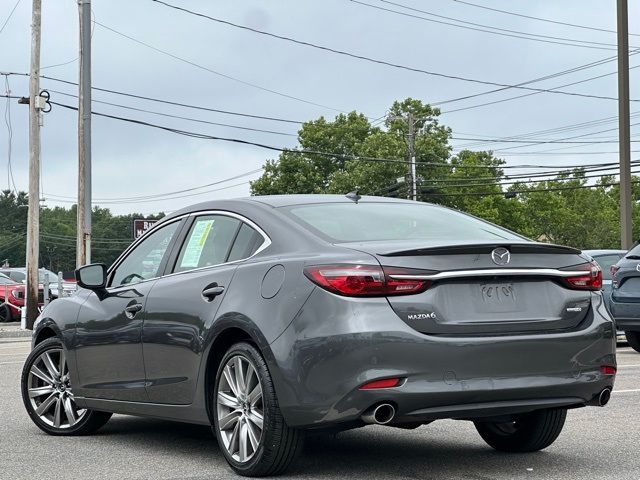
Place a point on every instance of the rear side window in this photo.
(247, 242)
(350, 222)
(208, 242)
(605, 262)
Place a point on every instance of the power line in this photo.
(337, 156)
(7, 119)
(368, 59)
(521, 35)
(533, 190)
(566, 24)
(553, 89)
(165, 194)
(169, 102)
(10, 15)
(168, 115)
(482, 28)
(215, 72)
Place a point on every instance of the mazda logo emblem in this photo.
(500, 256)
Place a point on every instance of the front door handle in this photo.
(131, 310)
(212, 292)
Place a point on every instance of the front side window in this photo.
(143, 262)
(208, 242)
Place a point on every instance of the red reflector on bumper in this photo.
(384, 383)
(607, 370)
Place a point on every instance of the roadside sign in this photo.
(141, 225)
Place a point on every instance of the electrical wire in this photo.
(530, 17)
(336, 156)
(10, 15)
(566, 42)
(168, 102)
(218, 73)
(368, 59)
(7, 119)
(168, 115)
(483, 28)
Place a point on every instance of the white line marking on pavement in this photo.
(629, 366)
(633, 390)
(10, 363)
(10, 354)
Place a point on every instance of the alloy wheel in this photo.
(49, 390)
(240, 408)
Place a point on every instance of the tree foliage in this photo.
(111, 233)
(557, 210)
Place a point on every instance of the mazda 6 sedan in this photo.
(268, 317)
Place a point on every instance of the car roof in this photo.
(604, 252)
(276, 201)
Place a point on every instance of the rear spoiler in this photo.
(480, 248)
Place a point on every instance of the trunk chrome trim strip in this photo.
(490, 272)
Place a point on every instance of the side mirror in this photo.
(92, 277)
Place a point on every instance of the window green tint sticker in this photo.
(198, 238)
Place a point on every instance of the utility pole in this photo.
(411, 154)
(33, 216)
(624, 135)
(83, 245)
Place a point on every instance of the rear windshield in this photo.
(350, 222)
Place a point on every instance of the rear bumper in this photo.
(335, 344)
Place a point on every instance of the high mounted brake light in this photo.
(364, 280)
(590, 280)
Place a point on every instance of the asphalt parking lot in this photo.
(597, 443)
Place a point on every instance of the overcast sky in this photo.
(131, 160)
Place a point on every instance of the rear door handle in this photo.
(131, 310)
(212, 292)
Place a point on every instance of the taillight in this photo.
(590, 280)
(364, 280)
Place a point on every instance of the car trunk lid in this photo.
(475, 291)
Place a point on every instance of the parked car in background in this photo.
(606, 259)
(20, 276)
(625, 296)
(12, 298)
(267, 316)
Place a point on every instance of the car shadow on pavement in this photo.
(372, 451)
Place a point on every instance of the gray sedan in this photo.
(268, 317)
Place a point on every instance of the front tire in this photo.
(248, 424)
(529, 432)
(5, 313)
(48, 396)
(633, 338)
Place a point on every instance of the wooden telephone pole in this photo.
(83, 244)
(33, 216)
(624, 120)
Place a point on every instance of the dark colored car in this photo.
(270, 316)
(607, 258)
(625, 296)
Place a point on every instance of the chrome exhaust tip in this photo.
(380, 414)
(604, 397)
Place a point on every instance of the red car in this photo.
(12, 299)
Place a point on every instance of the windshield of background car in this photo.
(4, 280)
(350, 222)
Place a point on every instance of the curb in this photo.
(15, 333)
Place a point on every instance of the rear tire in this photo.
(48, 396)
(633, 338)
(248, 424)
(530, 432)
